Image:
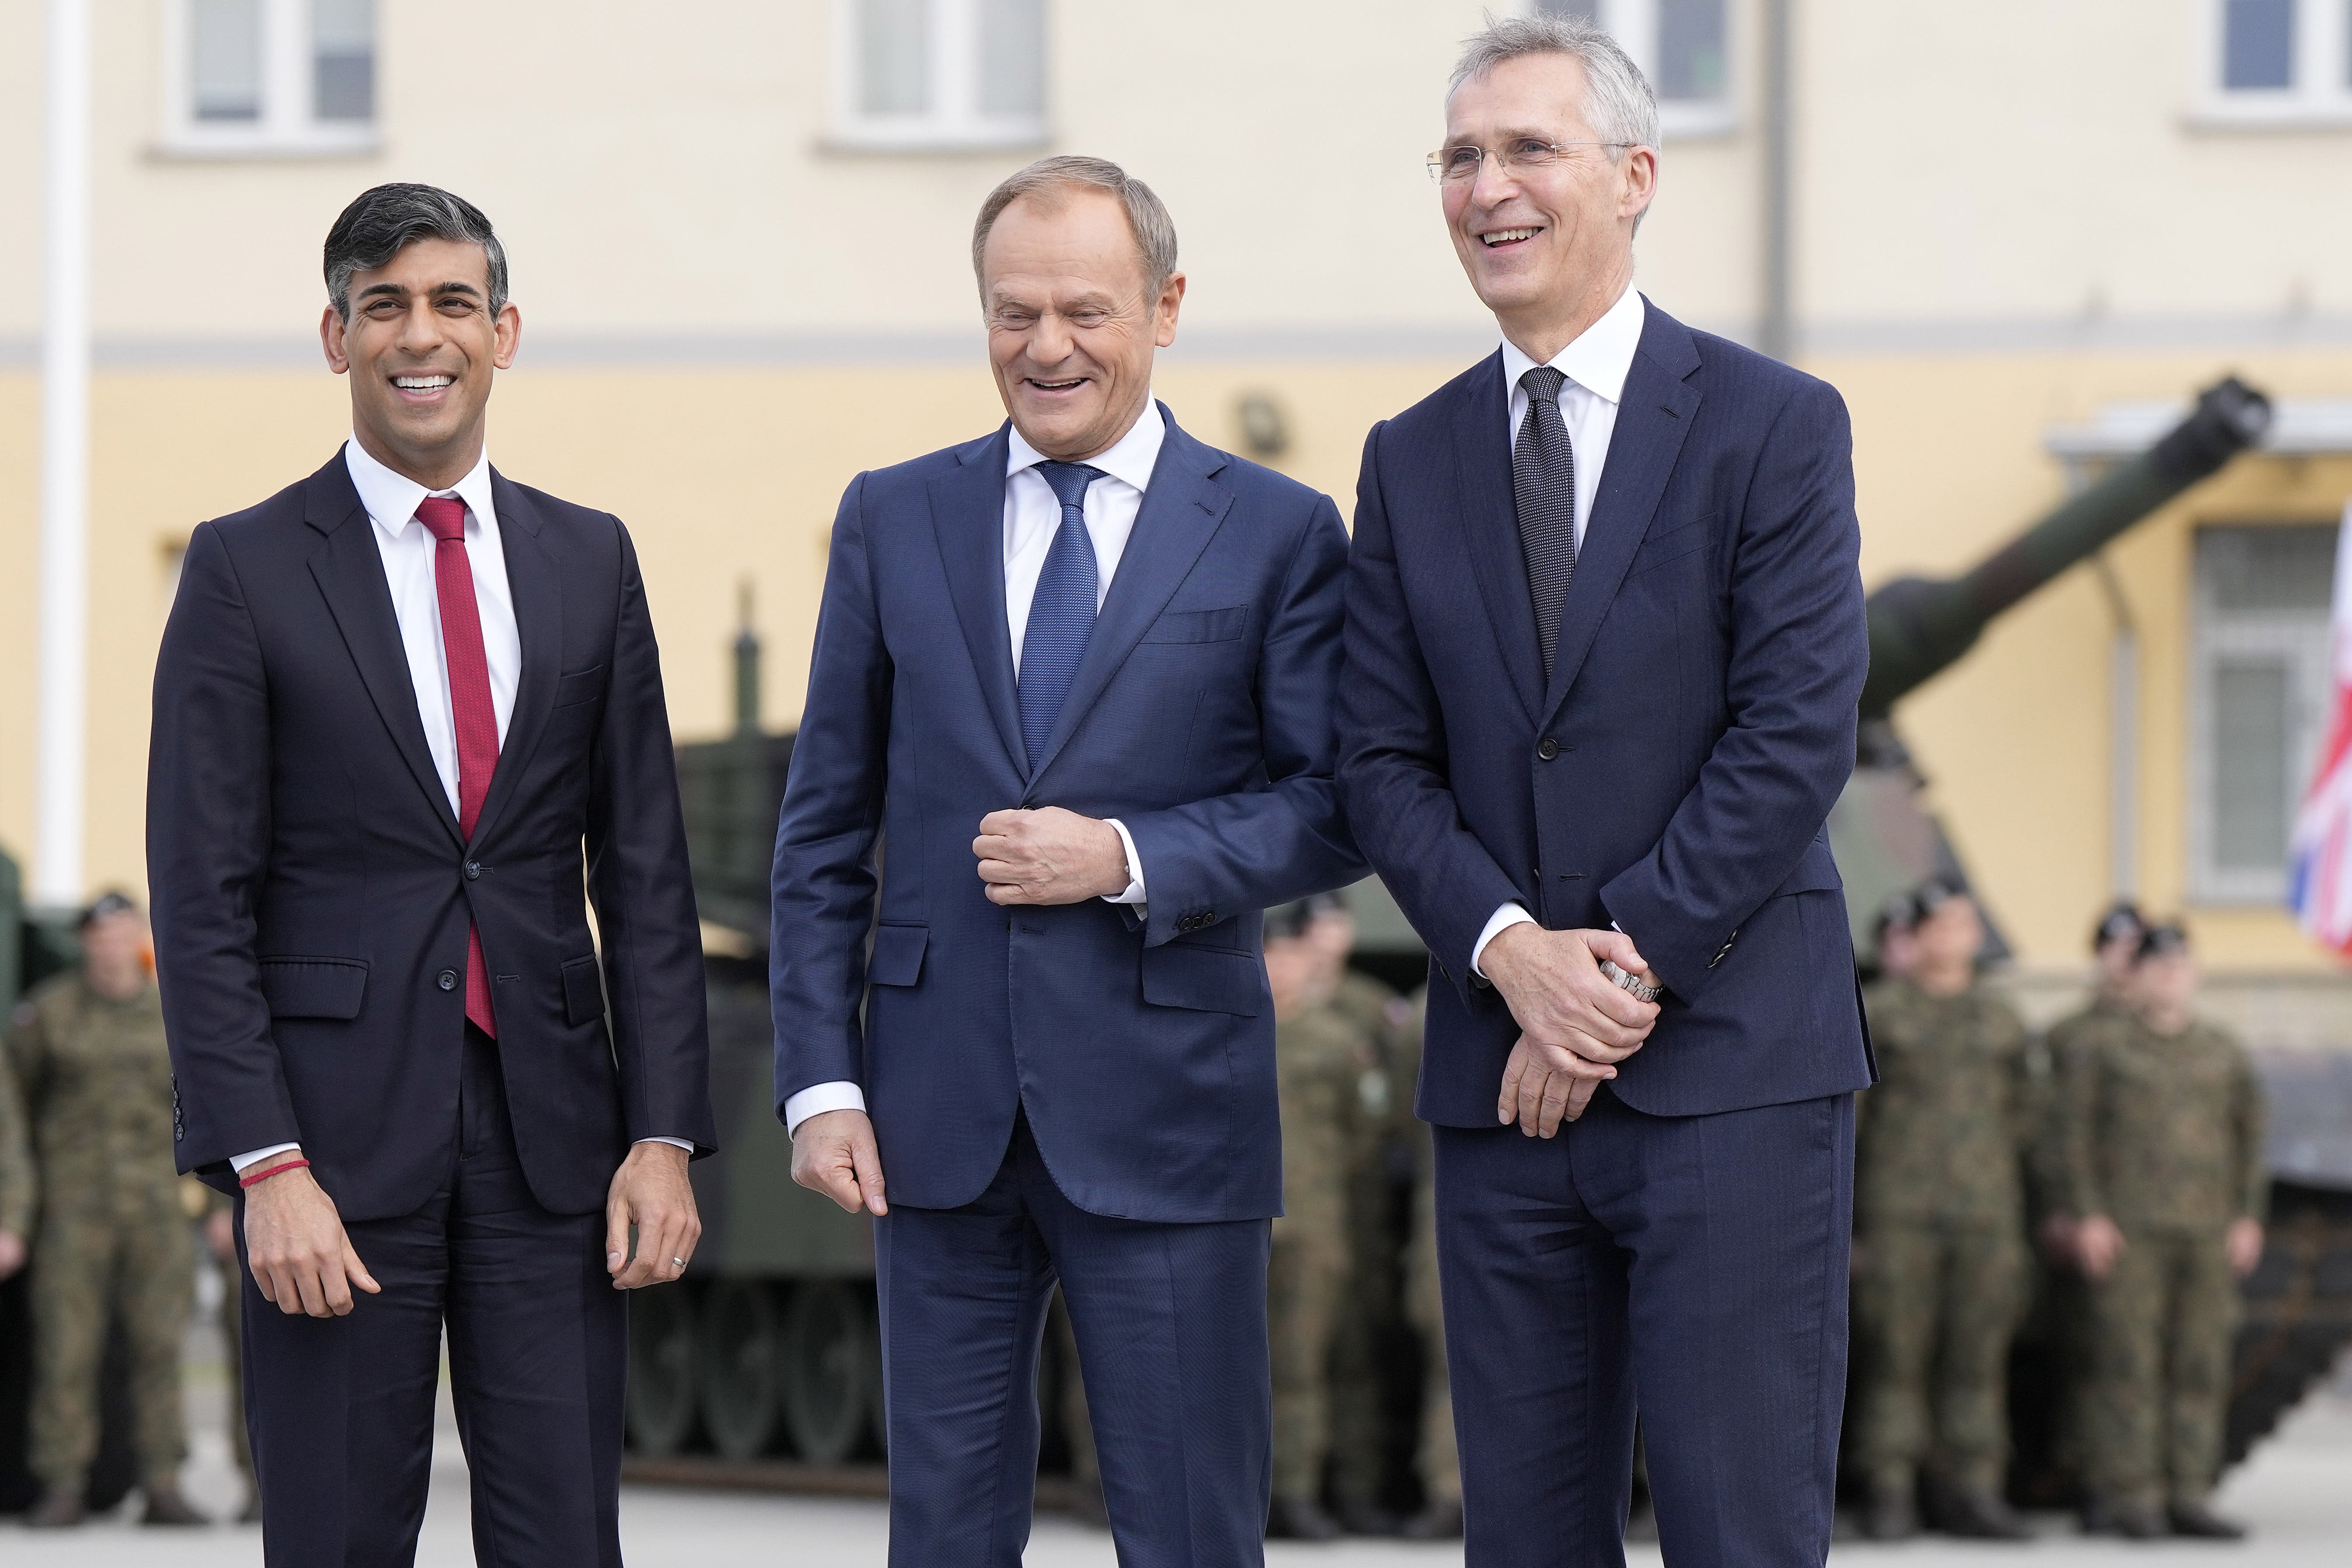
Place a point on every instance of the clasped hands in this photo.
(1576, 1023)
(1048, 856)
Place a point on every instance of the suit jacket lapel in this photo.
(967, 519)
(1181, 513)
(349, 571)
(1490, 530)
(539, 619)
(1653, 418)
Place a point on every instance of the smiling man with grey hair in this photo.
(1079, 673)
(1605, 643)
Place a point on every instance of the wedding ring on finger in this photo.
(1640, 989)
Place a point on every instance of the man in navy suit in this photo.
(1069, 731)
(399, 705)
(1604, 644)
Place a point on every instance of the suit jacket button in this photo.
(446, 980)
(1548, 750)
(473, 869)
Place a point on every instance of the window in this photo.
(922, 75)
(2259, 701)
(2276, 62)
(269, 77)
(1682, 46)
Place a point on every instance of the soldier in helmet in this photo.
(1315, 1063)
(2164, 1143)
(112, 1241)
(1939, 1257)
(1894, 941)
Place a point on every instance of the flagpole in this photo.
(61, 730)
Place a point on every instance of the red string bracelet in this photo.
(279, 1168)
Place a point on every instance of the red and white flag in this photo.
(2320, 876)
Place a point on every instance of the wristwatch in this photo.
(1639, 988)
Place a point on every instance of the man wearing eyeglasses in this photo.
(1604, 644)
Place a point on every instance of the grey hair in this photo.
(1617, 102)
(1155, 231)
(383, 222)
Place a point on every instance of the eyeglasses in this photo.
(1460, 165)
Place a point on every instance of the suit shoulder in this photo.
(1261, 486)
(915, 473)
(1755, 377)
(1433, 417)
(282, 510)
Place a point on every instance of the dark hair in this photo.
(1290, 919)
(114, 901)
(382, 223)
(2122, 919)
(2161, 942)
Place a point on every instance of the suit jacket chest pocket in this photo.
(1685, 544)
(578, 705)
(1200, 625)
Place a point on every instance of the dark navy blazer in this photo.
(1675, 774)
(312, 891)
(1202, 717)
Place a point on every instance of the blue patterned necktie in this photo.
(1062, 615)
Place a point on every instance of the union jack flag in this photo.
(2320, 877)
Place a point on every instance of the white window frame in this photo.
(2289, 638)
(1634, 25)
(2321, 95)
(286, 126)
(954, 123)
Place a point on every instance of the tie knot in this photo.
(1542, 383)
(1069, 480)
(444, 517)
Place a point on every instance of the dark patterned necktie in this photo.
(1543, 480)
(1062, 615)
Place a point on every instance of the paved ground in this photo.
(2296, 1491)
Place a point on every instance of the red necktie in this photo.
(469, 704)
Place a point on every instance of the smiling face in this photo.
(1072, 321)
(1548, 249)
(420, 348)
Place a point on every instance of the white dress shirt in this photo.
(1033, 516)
(1596, 365)
(407, 548)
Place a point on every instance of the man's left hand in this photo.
(1049, 856)
(650, 1191)
(2243, 1243)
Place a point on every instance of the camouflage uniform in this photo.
(2073, 1336)
(1435, 1459)
(1318, 1062)
(15, 1158)
(1370, 1311)
(1940, 1261)
(2164, 1136)
(112, 1237)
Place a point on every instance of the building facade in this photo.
(2013, 234)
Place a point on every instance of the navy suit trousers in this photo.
(339, 1410)
(1693, 1268)
(1171, 1326)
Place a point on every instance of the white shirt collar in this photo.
(1600, 359)
(391, 498)
(1131, 460)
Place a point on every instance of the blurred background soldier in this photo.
(1894, 944)
(1435, 1462)
(16, 1174)
(219, 1214)
(1939, 1254)
(2066, 1320)
(87, 1046)
(1317, 1062)
(2164, 1142)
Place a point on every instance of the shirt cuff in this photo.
(242, 1162)
(673, 1142)
(819, 1097)
(1134, 894)
(1503, 919)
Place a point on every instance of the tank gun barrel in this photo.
(1920, 626)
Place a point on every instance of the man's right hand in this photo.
(1576, 1025)
(295, 1244)
(2098, 1242)
(834, 1152)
